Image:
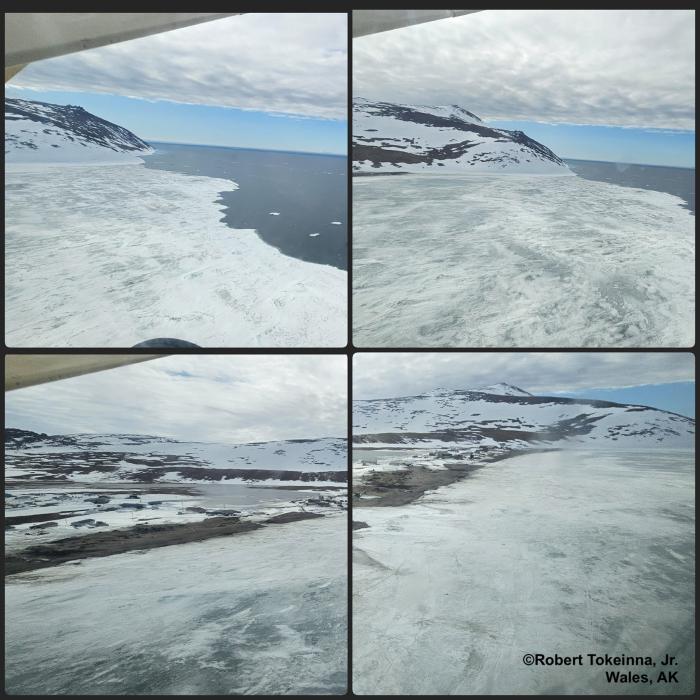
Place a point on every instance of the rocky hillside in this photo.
(393, 138)
(505, 416)
(40, 132)
(144, 458)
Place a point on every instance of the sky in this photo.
(661, 380)
(614, 144)
(209, 398)
(633, 70)
(275, 81)
(678, 397)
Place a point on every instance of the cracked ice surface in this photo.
(560, 552)
(262, 612)
(518, 260)
(100, 256)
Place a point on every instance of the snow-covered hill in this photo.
(391, 137)
(144, 458)
(505, 416)
(503, 389)
(40, 132)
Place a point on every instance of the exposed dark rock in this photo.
(99, 500)
(142, 537)
(292, 517)
(88, 522)
(43, 526)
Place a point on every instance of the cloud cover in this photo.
(383, 375)
(211, 398)
(627, 68)
(291, 64)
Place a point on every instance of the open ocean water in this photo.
(677, 181)
(297, 202)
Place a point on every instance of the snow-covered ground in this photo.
(364, 462)
(489, 260)
(93, 482)
(100, 256)
(124, 458)
(447, 138)
(316, 454)
(469, 419)
(68, 152)
(263, 612)
(74, 511)
(153, 508)
(41, 132)
(565, 552)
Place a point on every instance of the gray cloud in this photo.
(384, 375)
(206, 397)
(284, 63)
(625, 68)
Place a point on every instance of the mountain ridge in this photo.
(475, 418)
(43, 132)
(391, 137)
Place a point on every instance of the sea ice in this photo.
(262, 612)
(115, 255)
(520, 260)
(566, 552)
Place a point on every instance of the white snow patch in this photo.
(54, 145)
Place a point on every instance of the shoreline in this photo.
(303, 502)
(404, 486)
(139, 537)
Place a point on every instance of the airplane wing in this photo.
(33, 36)
(27, 370)
(366, 22)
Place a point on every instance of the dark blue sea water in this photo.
(677, 181)
(308, 190)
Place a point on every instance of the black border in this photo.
(349, 350)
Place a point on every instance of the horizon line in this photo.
(621, 162)
(248, 148)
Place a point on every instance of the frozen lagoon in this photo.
(262, 612)
(520, 261)
(560, 552)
